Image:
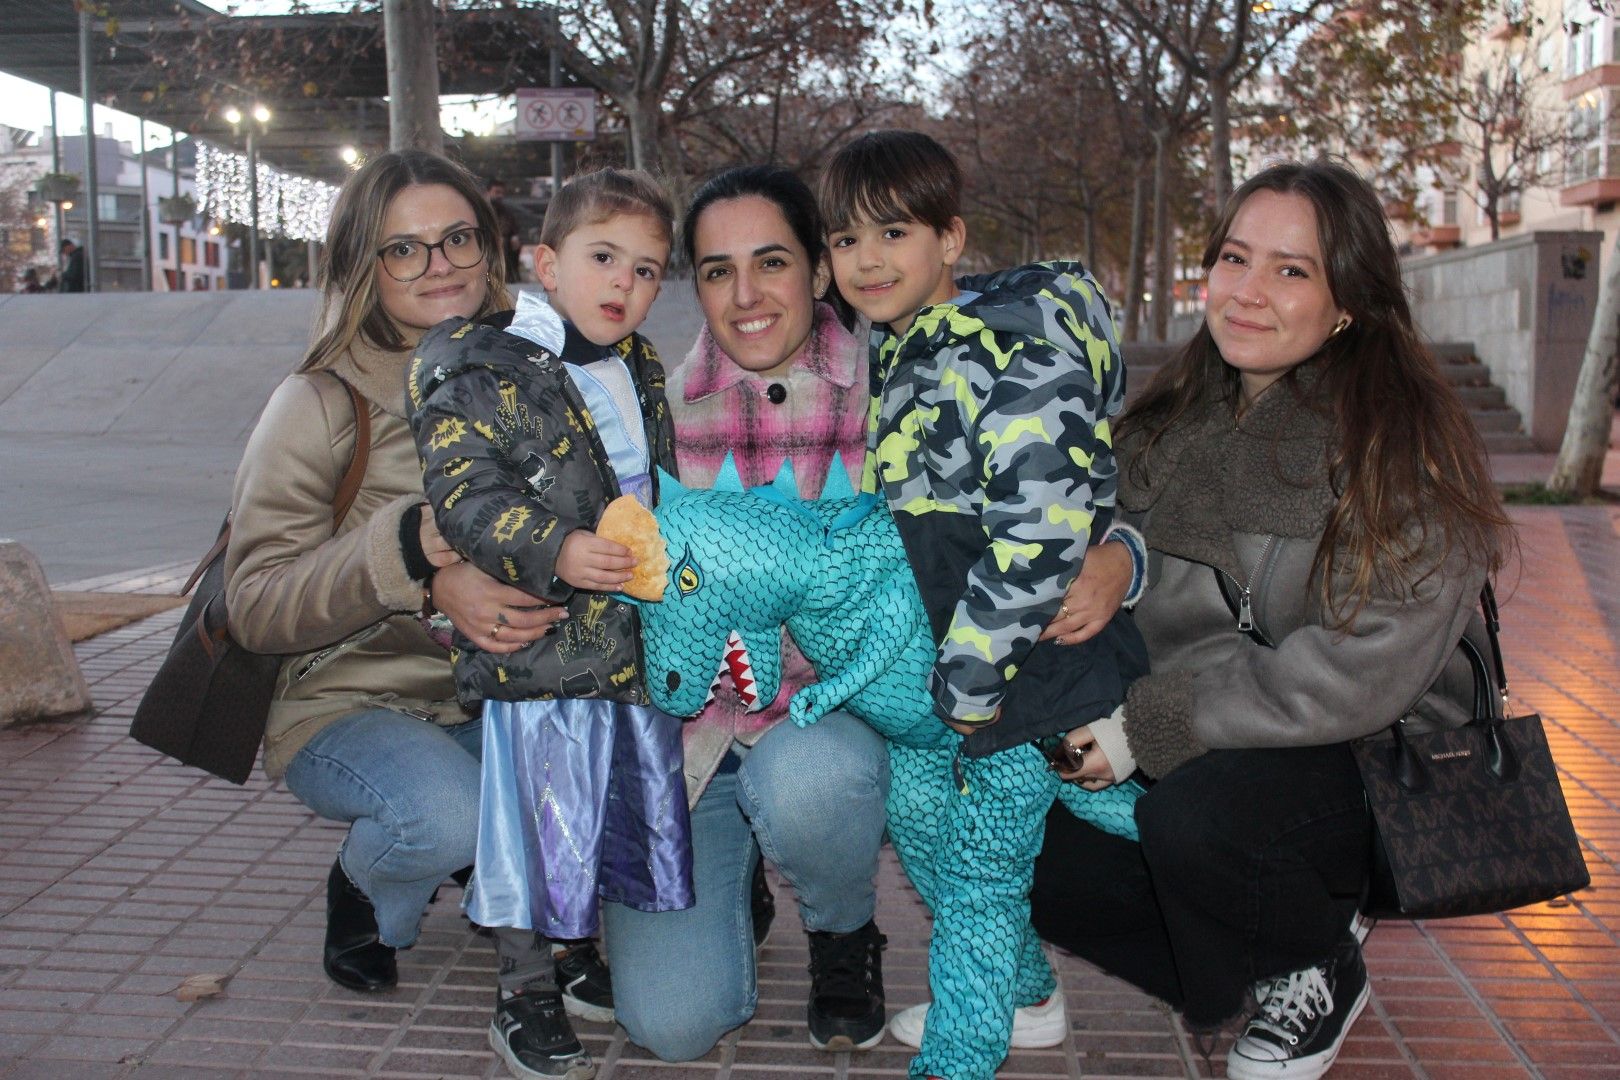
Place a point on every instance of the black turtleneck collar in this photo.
(580, 350)
(577, 348)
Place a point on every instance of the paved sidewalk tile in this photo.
(122, 873)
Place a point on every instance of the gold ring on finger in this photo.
(1063, 611)
(495, 631)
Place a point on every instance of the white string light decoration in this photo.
(291, 206)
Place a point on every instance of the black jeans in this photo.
(1250, 866)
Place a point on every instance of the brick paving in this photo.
(121, 874)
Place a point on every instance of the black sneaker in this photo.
(532, 1035)
(1306, 1014)
(761, 904)
(586, 982)
(846, 989)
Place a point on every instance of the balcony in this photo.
(1591, 79)
(1438, 237)
(1603, 189)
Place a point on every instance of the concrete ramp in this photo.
(174, 366)
(123, 415)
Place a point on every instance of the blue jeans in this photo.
(811, 799)
(409, 789)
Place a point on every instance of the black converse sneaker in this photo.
(846, 989)
(1302, 1022)
(532, 1035)
(586, 982)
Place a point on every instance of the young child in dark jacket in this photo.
(989, 441)
(526, 433)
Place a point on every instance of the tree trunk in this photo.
(1220, 140)
(1579, 468)
(1162, 281)
(413, 76)
(642, 118)
(1133, 271)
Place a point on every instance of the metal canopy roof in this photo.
(182, 64)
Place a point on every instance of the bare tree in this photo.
(1578, 470)
(17, 227)
(1341, 99)
(1513, 137)
(1219, 43)
(413, 76)
(638, 52)
(789, 106)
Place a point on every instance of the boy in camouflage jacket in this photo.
(989, 438)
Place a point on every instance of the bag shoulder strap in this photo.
(348, 486)
(355, 474)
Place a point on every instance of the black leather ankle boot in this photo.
(355, 958)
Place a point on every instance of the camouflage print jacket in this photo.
(512, 464)
(989, 438)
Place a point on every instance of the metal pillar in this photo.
(87, 91)
(253, 203)
(174, 167)
(147, 271)
(554, 78)
(56, 167)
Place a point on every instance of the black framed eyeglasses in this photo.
(407, 260)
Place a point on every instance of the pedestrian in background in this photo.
(508, 235)
(72, 279)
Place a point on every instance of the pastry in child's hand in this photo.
(627, 522)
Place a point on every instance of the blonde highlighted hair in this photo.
(350, 304)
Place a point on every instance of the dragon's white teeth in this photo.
(742, 670)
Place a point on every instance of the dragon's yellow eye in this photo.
(688, 578)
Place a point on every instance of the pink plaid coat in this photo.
(817, 410)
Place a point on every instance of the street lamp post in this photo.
(261, 117)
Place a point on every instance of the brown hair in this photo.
(594, 197)
(891, 176)
(349, 267)
(1409, 465)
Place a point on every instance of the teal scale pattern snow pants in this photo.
(967, 831)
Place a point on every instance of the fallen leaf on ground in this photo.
(197, 987)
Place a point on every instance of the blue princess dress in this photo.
(582, 799)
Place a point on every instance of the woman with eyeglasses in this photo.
(365, 727)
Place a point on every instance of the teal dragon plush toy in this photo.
(745, 562)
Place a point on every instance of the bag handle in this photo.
(1490, 709)
(348, 486)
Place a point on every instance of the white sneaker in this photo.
(1035, 1027)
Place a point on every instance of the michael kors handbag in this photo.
(1471, 820)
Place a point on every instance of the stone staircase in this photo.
(1499, 423)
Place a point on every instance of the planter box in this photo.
(59, 187)
(175, 209)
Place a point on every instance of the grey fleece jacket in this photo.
(1250, 500)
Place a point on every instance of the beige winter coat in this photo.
(340, 605)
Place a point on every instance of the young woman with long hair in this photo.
(365, 728)
(1319, 521)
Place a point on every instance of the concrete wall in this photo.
(1525, 304)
